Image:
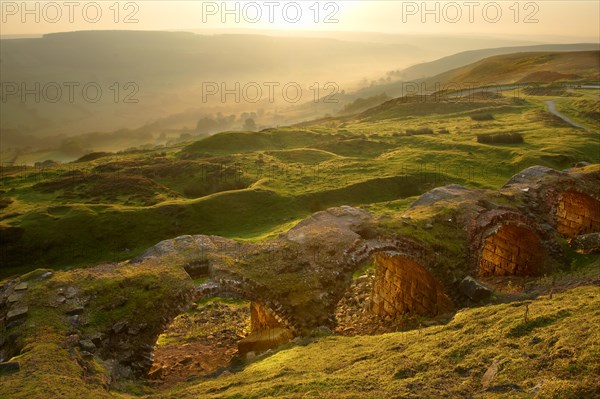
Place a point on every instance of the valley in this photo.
(422, 244)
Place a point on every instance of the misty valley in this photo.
(299, 200)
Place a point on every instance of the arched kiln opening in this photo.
(402, 286)
(577, 214)
(213, 335)
(511, 251)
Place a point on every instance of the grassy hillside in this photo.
(422, 72)
(432, 68)
(534, 337)
(539, 67)
(248, 184)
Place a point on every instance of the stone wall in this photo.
(404, 286)
(577, 214)
(511, 251)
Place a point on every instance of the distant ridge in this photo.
(432, 68)
(426, 71)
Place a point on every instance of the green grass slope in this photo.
(249, 185)
(526, 68)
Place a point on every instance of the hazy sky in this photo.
(561, 19)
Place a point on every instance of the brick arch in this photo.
(403, 285)
(511, 249)
(577, 213)
(267, 311)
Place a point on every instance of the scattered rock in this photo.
(440, 193)
(321, 331)
(97, 339)
(133, 330)
(490, 374)
(74, 320)
(17, 296)
(87, 345)
(474, 289)
(18, 313)
(587, 243)
(156, 373)
(71, 292)
(45, 275)
(531, 174)
(75, 311)
(250, 356)
(119, 326)
(536, 388)
(22, 287)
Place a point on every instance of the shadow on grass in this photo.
(543, 321)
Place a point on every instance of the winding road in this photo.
(552, 110)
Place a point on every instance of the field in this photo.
(253, 185)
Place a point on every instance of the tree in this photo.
(249, 124)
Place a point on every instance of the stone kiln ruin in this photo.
(577, 214)
(404, 286)
(266, 331)
(512, 250)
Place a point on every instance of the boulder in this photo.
(440, 193)
(87, 345)
(16, 297)
(474, 289)
(75, 311)
(45, 275)
(22, 287)
(531, 175)
(119, 326)
(18, 313)
(71, 292)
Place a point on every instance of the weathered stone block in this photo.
(474, 289)
(18, 313)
